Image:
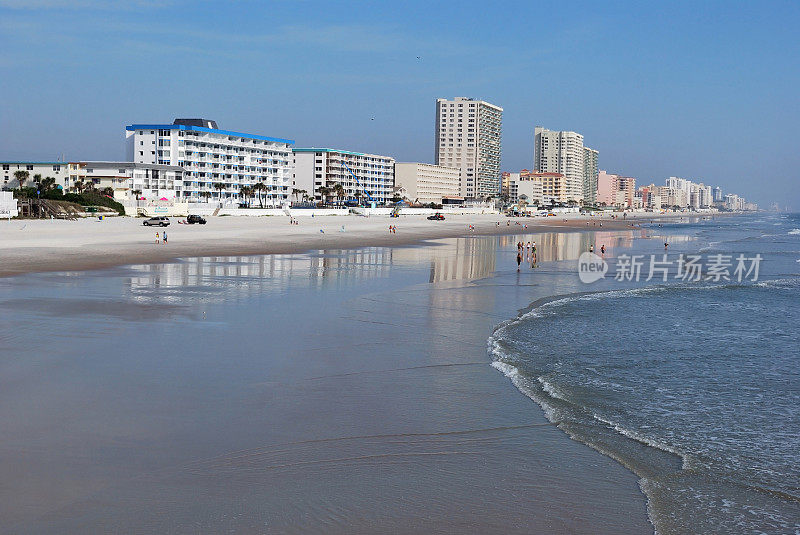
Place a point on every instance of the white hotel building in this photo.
(318, 167)
(212, 156)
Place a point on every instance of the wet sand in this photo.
(44, 245)
(338, 391)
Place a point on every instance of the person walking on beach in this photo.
(164, 237)
(158, 238)
(591, 248)
(519, 260)
(533, 255)
(666, 245)
(603, 249)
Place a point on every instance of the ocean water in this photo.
(694, 386)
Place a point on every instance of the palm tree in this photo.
(136, 194)
(259, 187)
(37, 179)
(296, 193)
(21, 177)
(219, 186)
(339, 191)
(324, 191)
(88, 186)
(48, 183)
(358, 197)
(245, 192)
(108, 192)
(206, 194)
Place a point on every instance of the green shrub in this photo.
(87, 198)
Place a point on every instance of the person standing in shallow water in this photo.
(519, 259)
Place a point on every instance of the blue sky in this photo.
(701, 90)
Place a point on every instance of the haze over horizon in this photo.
(701, 91)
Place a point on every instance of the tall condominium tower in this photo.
(468, 136)
(561, 152)
(590, 175)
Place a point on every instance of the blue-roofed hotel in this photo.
(213, 156)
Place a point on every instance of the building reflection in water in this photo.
(453, 259)
(473, 257)
(553, 246)
(225, 277)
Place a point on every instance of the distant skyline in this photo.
(705, 91)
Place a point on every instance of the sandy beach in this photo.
(51, 245)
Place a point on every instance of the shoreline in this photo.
(48, 246)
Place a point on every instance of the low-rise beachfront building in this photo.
(129, 180)
(8, 180)
(218, 163)
(525, 186)
(555, 188)
(315, 168)
(427, 183)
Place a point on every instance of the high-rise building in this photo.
(468, 137)
(218, 163)
(561, 152)
(590, 171)
(316, 168)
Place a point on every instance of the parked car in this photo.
(436, 217)
(192, 219)
(160, 221)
